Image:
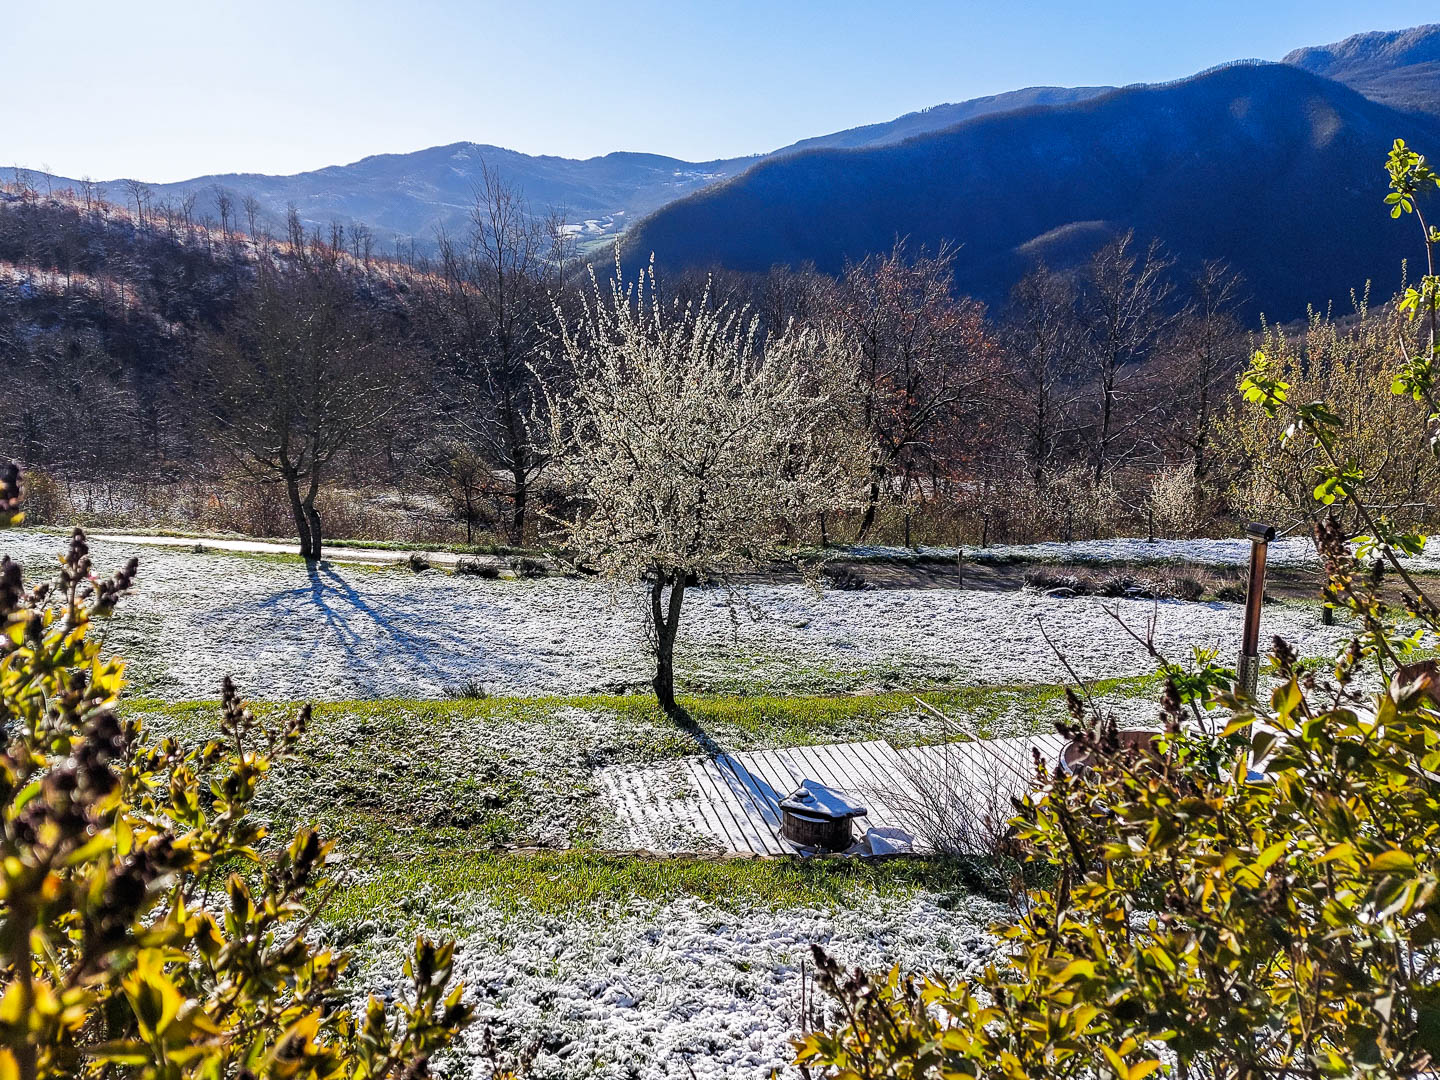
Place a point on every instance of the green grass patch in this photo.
(760, 720)
(571, 882)
(403, 780)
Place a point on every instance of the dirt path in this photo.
(372, 556)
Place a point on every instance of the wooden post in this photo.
(1249, 667)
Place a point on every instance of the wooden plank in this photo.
(666, 813)
(795, 767)
(851, 761)
(715, 809)
(883, 765)
(712, 817)
(775, 777)
(769, 810)
(734, 816)
(759, 787)
(751, 820)
(771, 784)
(823, 764)
(906, 800)
(776, 773)
(733, 799)
(607, 780)
(660, 817)
(635, 804)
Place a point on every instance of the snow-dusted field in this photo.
(285, 631)
(663, 987)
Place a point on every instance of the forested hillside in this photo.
(296, 384)
(1398, 67)
(1265, 166)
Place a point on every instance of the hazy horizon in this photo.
(292, 88)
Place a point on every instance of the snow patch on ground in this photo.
(1289, 551)
(647, 991)
(289, 631)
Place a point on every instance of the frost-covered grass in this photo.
(620, 965)
(615, 965)
(433, 888)
(287, 631)
(658, 989)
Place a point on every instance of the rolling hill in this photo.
(1265, 165)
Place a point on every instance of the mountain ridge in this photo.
(1397, 67)
(598, 195)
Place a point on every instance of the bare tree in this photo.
(187, 211)
(922, 361)
(224, 206)
(466, 484)
(1127, 298)
(1210, 347)
(687, 445)
(141, 194)
(1041, 334)
(487, 317)
(251, 206)
(296, 379)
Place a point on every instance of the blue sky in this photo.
(168, 90)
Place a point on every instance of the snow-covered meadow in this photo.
(338, 631)
(658, 990)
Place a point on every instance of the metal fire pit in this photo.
(1074, 757)
(816, 816)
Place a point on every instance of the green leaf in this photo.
(1393, 861)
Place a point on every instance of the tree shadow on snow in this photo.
(373, 635)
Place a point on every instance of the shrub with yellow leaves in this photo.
(149, 926)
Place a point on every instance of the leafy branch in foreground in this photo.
(149, 925)
(1216, 913)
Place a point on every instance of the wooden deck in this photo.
(730, 802)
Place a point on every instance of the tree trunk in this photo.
(312, 516)
(666, 620)
(522, 496)
(869, 518)
(302, 520)
(1107, 408)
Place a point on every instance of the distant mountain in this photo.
(1265, 165)
(412, 195)
(1399, 67)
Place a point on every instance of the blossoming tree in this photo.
(690, 444)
